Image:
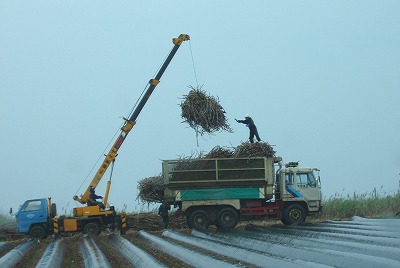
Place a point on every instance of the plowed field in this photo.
(357, 243)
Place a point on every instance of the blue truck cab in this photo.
(34, 217)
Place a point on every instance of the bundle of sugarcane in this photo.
(143, 221)
(150, 221)
(219, 152)
(188, 162)
(258, 149)
(151, 189)
(203, 112)
(176, 220)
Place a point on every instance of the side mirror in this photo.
(10, 211)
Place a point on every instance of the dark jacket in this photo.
(163, 210)
(93, 196)
(249, 122)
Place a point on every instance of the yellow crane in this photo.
(103, 216)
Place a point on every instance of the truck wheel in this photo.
(198, 219)
(37, 232)
(227, 218)
(284, 221)
(294, 214)
(92, 229)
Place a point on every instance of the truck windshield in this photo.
(306, 179)
(32, 205)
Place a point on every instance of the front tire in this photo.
(198, 219)
(294, 214)
(38, 232)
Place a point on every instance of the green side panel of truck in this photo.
(222, 193)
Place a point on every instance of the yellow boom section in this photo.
(107, 161)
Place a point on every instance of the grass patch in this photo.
(368, 206)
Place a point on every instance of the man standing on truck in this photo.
(252, 127)
(92, 199)
(163, 212)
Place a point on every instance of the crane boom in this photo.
(129, 123)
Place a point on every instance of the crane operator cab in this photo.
(94, 207)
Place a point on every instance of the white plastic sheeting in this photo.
(136, 256)
(186, 255)
(92, 255)
(257, 258)
(320, 241)
(301, 252)
(12, 258)
(53, 256)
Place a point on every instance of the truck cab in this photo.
(301, 184)
(33, 217)
(300, 191)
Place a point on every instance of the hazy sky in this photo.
(320, 78)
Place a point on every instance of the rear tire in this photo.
(284, 221)
(38, 232)
(227, 218)
(198, 219)
(92, 229)
(294, 214)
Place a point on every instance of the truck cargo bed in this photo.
(218, 172)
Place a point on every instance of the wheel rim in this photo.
(227, 217)
(199, 220)
(295, 214)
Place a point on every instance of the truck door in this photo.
(32, 211)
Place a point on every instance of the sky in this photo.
(320, 79)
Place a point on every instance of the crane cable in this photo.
(119, 129)
(197, 83)
(194, 68)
